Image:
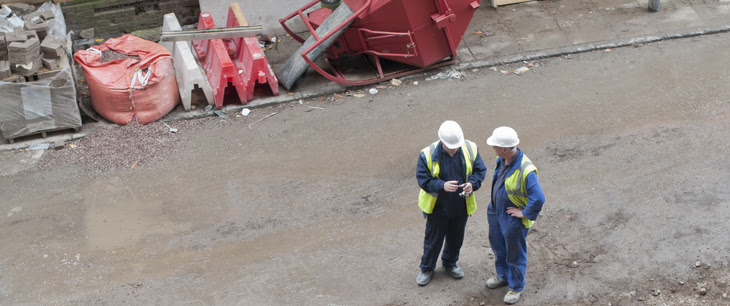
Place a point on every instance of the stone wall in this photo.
(111, 18)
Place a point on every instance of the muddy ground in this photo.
(316, 205)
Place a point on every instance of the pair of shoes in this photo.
(512, 297)
(455, 271)
(423, 278)
(494, 283)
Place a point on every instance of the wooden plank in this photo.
(239, 14)
(496, 3)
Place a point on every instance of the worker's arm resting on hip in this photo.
(535, 197)
(425, 180)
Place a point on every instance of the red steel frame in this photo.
(339, 77)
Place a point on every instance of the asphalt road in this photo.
(317, 204)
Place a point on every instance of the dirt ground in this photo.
(316, 205)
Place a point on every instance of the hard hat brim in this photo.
(455, 145)
(492, 143)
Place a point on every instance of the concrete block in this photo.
(21, 8)
(5, 70)
(49, 63)
(24, 52)
(40, 28)
(187, 70)
(27, 69)
(53, 47)
(47, 15)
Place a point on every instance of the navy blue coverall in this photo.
(448, 219)
(507, 233)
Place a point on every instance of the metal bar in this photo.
(214, 33)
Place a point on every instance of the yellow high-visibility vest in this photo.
(427, 200)
(518, 196)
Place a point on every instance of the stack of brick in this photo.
(38, 21)
(38, 25)
(3, 48)
(5, 70)
(53, 50)
(25, 57)
(21, 8)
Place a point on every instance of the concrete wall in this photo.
(265, 13)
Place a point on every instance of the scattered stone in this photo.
(87, 34)
(703, 291)
(574, 264)
(396, 82)
(59, 144)
(698, 263)
(724, 295)
(681, 283)
(640, 299)
(656, 292)
(481, 304)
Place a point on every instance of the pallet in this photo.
(496, 3)
(41, 74)
(43, 133)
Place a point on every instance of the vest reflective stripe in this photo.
(518, 196)
(427, 200)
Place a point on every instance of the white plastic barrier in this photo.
(187, 70)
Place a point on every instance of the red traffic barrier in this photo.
(249, 57)
(218, 66)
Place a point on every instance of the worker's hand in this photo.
(467, 187)
(515, 212)
(451, 186)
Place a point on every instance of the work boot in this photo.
(455, 271)
(494, 283)
(424, 277)
(512, 297)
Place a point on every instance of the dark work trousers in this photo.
(439, 227)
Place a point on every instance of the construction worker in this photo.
(516, 202)
(448, 172)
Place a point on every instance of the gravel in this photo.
(110, 55)
(117, 147)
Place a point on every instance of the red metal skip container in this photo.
(420, 33)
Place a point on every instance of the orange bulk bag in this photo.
(125, 88)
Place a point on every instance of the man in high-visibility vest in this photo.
(517, 199)
(448, 172)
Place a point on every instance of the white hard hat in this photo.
(451, 135)
(504, 137)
